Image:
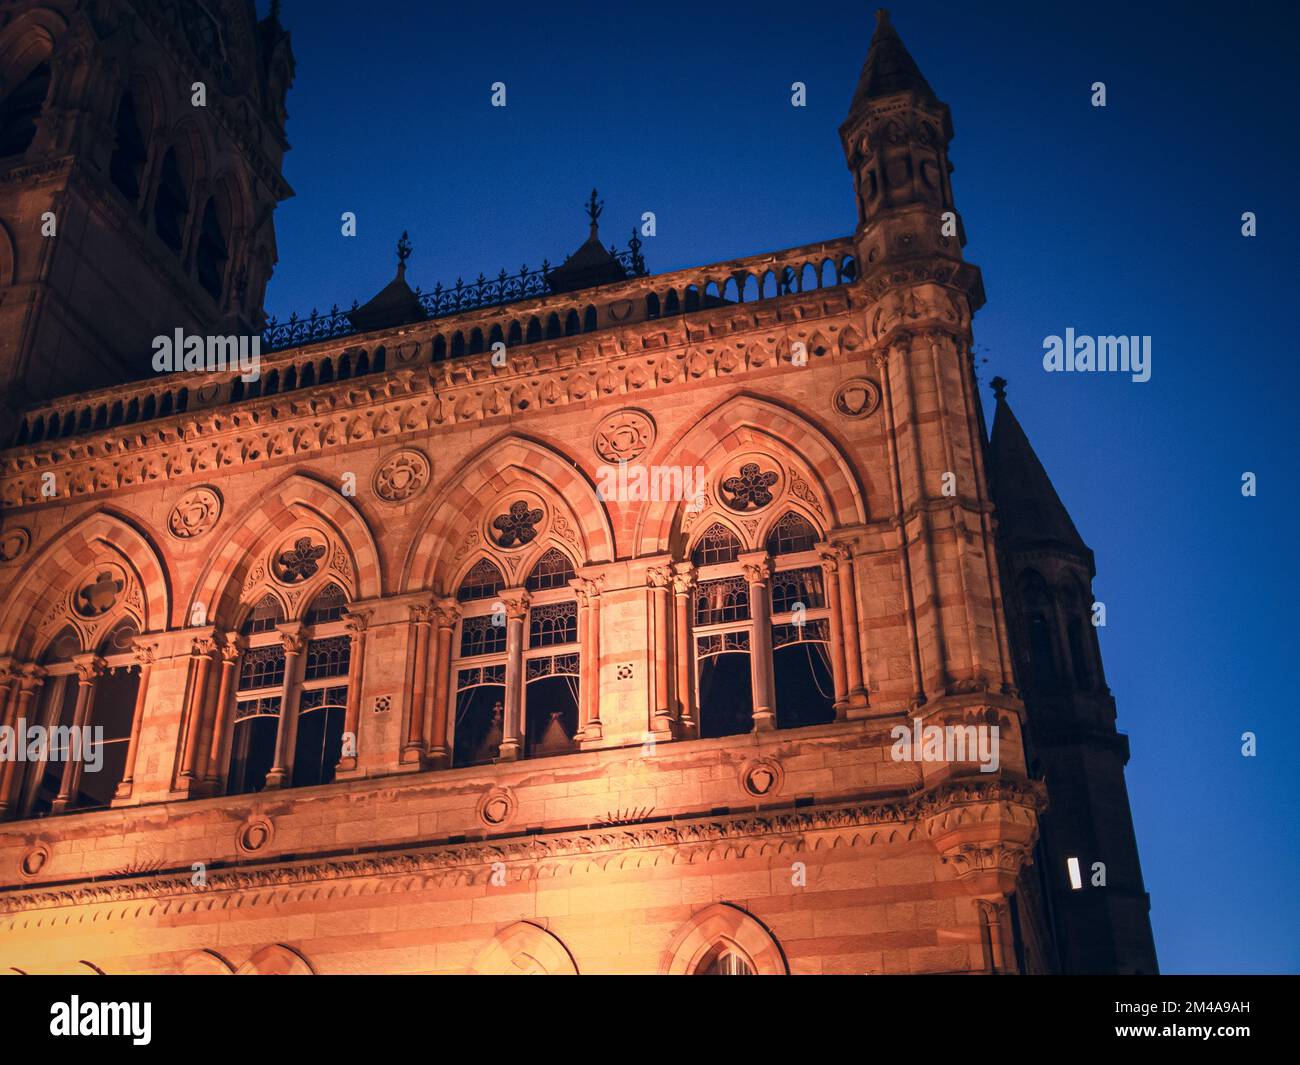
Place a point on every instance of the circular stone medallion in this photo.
(623, 436)
(402, 475)
(14, 543)
(197, 512)
(856, 398)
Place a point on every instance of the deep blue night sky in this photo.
(1123, 220)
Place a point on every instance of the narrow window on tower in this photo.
(21, 109)
(126, 168)
(171, 209)
(213, 254)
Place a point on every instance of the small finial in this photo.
(882, 17)
(999, 386)
(593, 210)
(403, 250)
(275, 10)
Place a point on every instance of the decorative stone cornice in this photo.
(424, 396)
(535, 857)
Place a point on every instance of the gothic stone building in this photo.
(414, 659)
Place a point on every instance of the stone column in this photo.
(659, 579)
(202, 651)
(10, 683)
(589, 683)
(579, 587)
(90, 668)
(848, 597)
(144, 655)
(683, 651)
(356, 622)
(446, 615)
(830, 563)
(516, 604)
(232, 650)
(413, 748)
(294, 645)
(995, 938)
(900, 517)
(758, 571)
(30, 677)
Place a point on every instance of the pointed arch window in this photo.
(82, 769)
(544, 667)
(20, 110)
(306, 694)
(126, 168)
(791, 535)
(716, 546)
(264, 617)
(171, 208)
(553, 570)
(483, 581)
(723, 960)
(213, 255)
(329, 605)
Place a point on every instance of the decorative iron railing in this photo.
(463, 296)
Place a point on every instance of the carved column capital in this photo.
(89, 667)
(446, 614)
(356, 622)
(756, 570)
(421, 613)
(293, 641)
(587, 587)
(659, 576)
(683, 578)
(145, 651)
(204, 646)
(516, 602)
(33, 676)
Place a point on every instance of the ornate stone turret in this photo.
(896, 142)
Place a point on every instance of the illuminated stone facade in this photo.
(413, 660)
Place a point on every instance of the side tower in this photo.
(921, 297)
(140, 154)
(1070, 716)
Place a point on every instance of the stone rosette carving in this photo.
(762, 777)
(255, 835)
(34, 861)
(497, 807)
(402, 476)
(14, 543)
(196, 514)
(516, 520)
(623, 436)
(856, 398)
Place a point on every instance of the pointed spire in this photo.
(1029, 512)
(403, 252)
(889, 68)
(592, 264)
(593, 213)
(395, 304)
